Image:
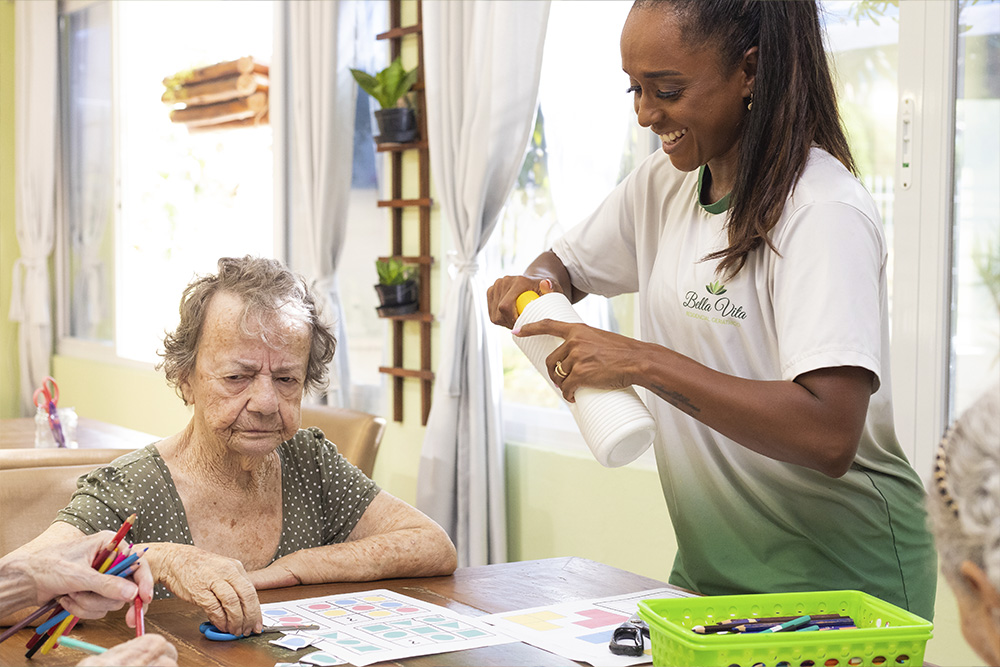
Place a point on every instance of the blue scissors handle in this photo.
(216, 635)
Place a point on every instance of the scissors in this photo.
(50, 393)
(216, 635)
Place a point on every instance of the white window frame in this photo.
(922, 243)
(66, 344)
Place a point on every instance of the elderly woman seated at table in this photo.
(241, 499)
(964, 507)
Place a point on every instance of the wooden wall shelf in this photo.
(409, 259)
(390, 146)
(423, 318)
(403, 203)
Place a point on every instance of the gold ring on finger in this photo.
(559, 370)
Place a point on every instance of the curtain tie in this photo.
(90, 283)
(25, 307)
(458, 264)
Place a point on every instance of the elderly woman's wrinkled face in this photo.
(246, 393)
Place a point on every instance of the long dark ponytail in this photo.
(794, 106)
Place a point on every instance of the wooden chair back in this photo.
(36, 483)
(357, 434)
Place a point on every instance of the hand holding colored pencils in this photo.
(109, 560)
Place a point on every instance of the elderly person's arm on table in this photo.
(392, 540)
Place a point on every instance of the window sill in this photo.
(99, 352)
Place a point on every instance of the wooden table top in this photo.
(90, 434)
(473, 591)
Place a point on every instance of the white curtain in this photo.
(86, 238)
(482, 66)
(314, 54)
(35, 114)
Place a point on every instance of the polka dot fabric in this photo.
(323, 497)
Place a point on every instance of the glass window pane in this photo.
(188, 196)
(366, 342)
(863, 45)
(975, 343)
(88, 170)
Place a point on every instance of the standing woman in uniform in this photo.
(760, 265)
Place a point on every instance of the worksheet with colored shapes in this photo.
(378, 625)
(579, 630)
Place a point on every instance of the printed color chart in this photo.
(377, 625)
(578, 630)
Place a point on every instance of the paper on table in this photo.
(378, 625)
(321, 659)
(579, 630)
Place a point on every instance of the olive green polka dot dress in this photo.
(323, 497)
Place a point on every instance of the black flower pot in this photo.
(397, 299)
(396, 126)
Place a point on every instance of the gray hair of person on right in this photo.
(964, 493)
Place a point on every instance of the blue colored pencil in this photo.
(81, 645)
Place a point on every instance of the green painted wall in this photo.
(127, 395)
(564, 503)
(9, 250)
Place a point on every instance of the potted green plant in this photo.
(396, 120)
(396, 288)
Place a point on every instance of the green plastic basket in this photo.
(886, 636)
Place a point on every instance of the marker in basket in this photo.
(830, 623)
(790, 625)
(765, 620)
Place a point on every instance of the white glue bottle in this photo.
(615, 423)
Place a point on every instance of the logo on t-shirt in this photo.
(716, 288)
(725, 311)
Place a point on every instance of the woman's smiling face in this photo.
(681, 92)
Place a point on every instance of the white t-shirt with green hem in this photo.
(744, 522)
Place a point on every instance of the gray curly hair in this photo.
(964, 494)
(267, 289)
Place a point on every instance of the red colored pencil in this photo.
(113, 544)
(140, 621)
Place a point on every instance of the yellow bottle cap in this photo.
(525, 299)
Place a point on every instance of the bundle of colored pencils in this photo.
(110, 560)
(778, 624)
